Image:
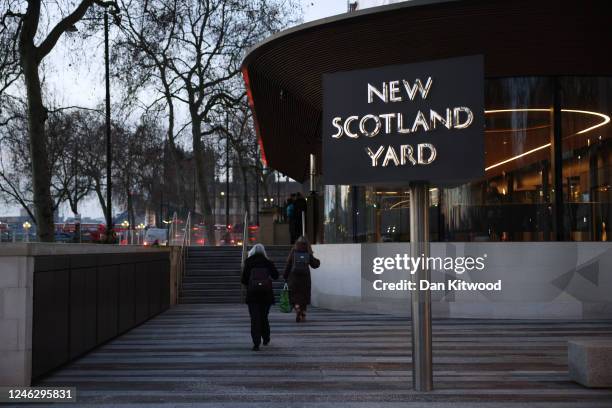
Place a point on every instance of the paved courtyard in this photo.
(199, 355)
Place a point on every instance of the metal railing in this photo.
(245, 244)
(182, 256)
(245, 238)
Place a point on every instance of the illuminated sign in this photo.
(401, 123)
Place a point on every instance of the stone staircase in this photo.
(212, 274)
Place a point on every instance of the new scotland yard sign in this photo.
(403, 123)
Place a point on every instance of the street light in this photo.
(140, 227)
(26, 226)
(126, 224)
(109, 156)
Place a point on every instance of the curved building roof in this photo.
(517, 38)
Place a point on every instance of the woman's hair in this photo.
(302, 244)
(258, 249)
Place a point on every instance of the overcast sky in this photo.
(76, 79)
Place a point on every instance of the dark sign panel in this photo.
(401, 123)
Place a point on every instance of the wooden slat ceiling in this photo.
(517, 38)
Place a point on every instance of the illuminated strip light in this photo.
(398, 204)
(606, 120)
(518, 156)
(521, 110)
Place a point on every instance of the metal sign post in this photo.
(422, 371)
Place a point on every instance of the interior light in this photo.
(398, 204)
(517, 156)
(606, 120)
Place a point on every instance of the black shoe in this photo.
(256, 347)
(266, 342)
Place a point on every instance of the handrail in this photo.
(245, 238)
(185, 241)
(187, 232)
(173, 231)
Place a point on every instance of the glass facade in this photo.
(548, 152)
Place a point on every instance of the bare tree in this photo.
(195, 49)
(67, 183)
(137, 162)
(10, 70)
(241, 137)
(212, 36)
(149, 30)
(69, 174)
(33, 47)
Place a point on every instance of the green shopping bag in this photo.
(284, 304)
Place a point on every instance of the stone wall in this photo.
(58, 301)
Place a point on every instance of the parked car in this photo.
(156, 236)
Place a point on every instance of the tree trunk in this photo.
(74, 207)
(130, 209)
(245, 188)
(99, 194)
(41, 174)
(180, 173)
(198, 152)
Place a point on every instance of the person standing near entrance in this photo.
(257, 276)
(297, 276)
(291, 218)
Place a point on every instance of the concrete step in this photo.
(228, 291)
(191, 300)
(212, 274)
(228, 274)
(218, 284)
(211, 279)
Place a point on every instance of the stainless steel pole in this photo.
(245, 239)
(227, 183)
(313, 172)
(422, 372)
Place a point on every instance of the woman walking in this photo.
(297, 275)
(257, 276)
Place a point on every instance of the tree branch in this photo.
(47, 45)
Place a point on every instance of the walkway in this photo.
(200, 355)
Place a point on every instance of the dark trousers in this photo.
(260, 326)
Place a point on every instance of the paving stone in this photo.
(200, 355)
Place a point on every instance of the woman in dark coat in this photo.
(297, 275)
(257, 276)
